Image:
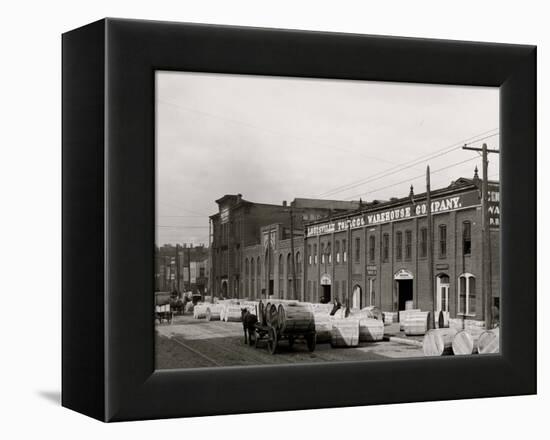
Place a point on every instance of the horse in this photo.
(249, 320)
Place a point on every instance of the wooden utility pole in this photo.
(294, 290)
(430, 246)
(189, 265)
(485, 236)
(178, 268)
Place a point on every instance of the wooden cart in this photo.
(285, 322)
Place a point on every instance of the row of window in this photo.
(255, 267)
(326, 252)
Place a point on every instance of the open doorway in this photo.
(325, 294)
(404, 292)
(356, 297)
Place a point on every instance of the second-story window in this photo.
(386, 247)
(309, 256)
(467, 238)
(337, 249)
(329, 253)
(322, 253)
(372, 247)
(442, 241)
(344, 251)
(315, 254)
(408, 245)
(357, 250)
(423, 242)
(399, 246)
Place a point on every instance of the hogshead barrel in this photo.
(371, 312)
(323, 327)
(213, 312)
(344, 333)
(403, 316)
(416, 323)
(199, 312)
(389, 317)
(371, 330)
(295, 318)
(438, 342)
(408, 305)
(271, 314)
(465, 342)
(489, 341)
(233, 314)
(319, 308)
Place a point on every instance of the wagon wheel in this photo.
(311, 341)
(291, 342)
(272, 341)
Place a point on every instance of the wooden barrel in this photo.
(213, 312)
(389, 317)
(371, 330)
(199, 312)
(271, 314)
(261, 313)
(489, 341)
(295, 318)
(340, 313)
(439, 342)
(319, 308)
(344, 333)
(456, 323)
(232, 313)
(323, 327)
(409, 305)
(443, 319)
(370, 312)
(465, 342)
(416, 323)
(403, 316)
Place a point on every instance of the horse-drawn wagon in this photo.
(285, 320)
(163, 310)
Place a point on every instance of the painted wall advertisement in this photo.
(412, 210)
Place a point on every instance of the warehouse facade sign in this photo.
(446, 204)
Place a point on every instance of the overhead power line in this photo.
(409, 164)
(410, 179)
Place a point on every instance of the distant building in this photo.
(175, 265)
(238, 224)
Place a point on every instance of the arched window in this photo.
(467, 294)
(322, 253)
(337, 250)
(281, 267)
(298, 263)
(329, 253)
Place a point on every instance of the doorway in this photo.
(356, 297)
(404, 292)
(443, 293)
(325, 294)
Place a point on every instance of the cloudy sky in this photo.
(274, 139)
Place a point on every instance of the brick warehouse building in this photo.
(369, 254)
(238, 226)
(379, 256)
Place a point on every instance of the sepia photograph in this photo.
(303, 220)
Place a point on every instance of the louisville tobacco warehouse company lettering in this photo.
(402, 213)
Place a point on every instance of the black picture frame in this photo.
(109, 215)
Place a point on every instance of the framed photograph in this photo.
(262, 219)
